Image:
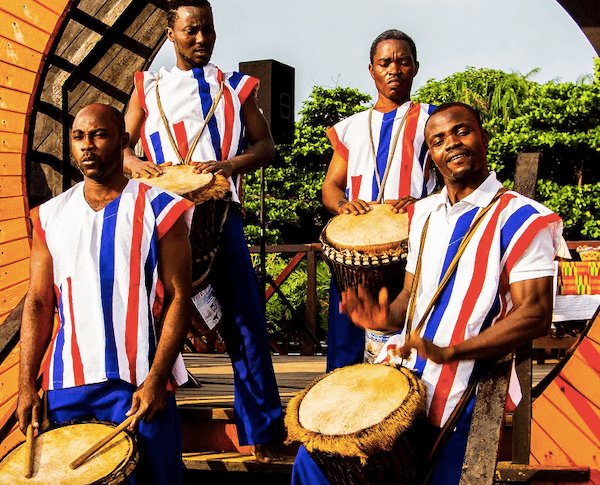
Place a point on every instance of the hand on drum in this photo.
(224, 167)
(147, 400)
(364, 311)
(425, 348)
(139, 168)
(29, 409)
(355, 207)
(401, 205)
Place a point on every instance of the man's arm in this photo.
(260, 153)
(333, 190)
(36, 330)
(175, 273)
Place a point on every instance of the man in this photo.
(379, 155)
(498, 298)
(196, 112)
(112, 255)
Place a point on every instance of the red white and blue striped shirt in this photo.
(186, 98)
(409, 172)
(517, 240)
(108, 293)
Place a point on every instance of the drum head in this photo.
(55, 449)
(181, 180)
(375, 232)
(353, 399)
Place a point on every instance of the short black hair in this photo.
(457, 104)
(114, 113)
(393, 34)
(175, 4)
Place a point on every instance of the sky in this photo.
(327, 41)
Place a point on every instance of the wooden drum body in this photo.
(56, 448)
(368, 249)
(363, 424)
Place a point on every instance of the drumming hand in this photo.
(148, 399)
(224, 167)
(401, 205)
(355, 207)
(139, 168)
(364, 311)
(29, 407)
(427, 349)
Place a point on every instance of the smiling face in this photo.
(458, 146)
(393, 69)
(97, 142)
(193, 35)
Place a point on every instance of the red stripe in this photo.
(408, 151)
(229, 119)
(138, 80)
(75, 354)
(181, 138)
(356, 181)
(172, 216)
(34, 215)
(338, 146)
(448, 372)
(525, 239)
(135, 268)
(249, 84)
(159, 295)
(589, 353)
(581, 405)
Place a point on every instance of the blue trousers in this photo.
(244, 329)
(159, 441)
(446, 470)
(345, 341)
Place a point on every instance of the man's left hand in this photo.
(401, 205)
(224, 167)
(148, 399)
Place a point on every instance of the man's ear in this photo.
(170, 34)
(486, 137)
(125, 140)
(371, 71)
(416, 67)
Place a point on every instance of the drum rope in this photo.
(196, 138)
(381, 183)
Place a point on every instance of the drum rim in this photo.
(355, 258)
(366, 442)
(124, 469)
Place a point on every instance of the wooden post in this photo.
(308, 346)
(526, 173)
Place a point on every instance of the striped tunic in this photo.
(517, 240)
(409, 172)
(186, 97)
(108, 294)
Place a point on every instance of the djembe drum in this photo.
(211, 195)
(369, 250)
(363, 425)
(56, 448)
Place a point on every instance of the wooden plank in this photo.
(14, 53)
(23, 33)
(11, 163)
(12, 208)
(10, 297)
(11, 186)
(33, 13)
(13, 229)
(513, 473)
(545, 450)
(11, 121)
(14, 438)
(578, 373)
(11, 142)
(14, 250)
(234, 462)
(17, 78)
(594, 331)
(14, 273)
(56, 6)
(9, 378)
(14, 101)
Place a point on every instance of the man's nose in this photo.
(200, 37)
(452, 141)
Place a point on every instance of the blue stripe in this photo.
(206, 101)
(431, 109)
(149, 269)
(235, 79)
(513, 224)
(159, 156)
(493, 313)
(106, 272)
(431, 328)
(422, 157)
(385, 136)
(159, 203)
(58, 373)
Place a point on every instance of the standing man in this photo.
(193, 111)
(379, 155)
(112, 255)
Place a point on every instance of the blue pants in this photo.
(345, 341)
(257, 404)
(446, 471)
(159, 441)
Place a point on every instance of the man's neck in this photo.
(457, 191)
(386, 105)
(99, 194)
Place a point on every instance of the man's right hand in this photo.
(29, 407)
(355, 207)
(138, 168)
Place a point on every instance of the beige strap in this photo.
(381, 183)
(196, 139)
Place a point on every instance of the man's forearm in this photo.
(36, 330)
(258, 155)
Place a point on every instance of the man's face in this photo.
(458, 145)
(193, 35)
(96, 143)
(393, 69)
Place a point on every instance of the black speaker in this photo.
(275, 95)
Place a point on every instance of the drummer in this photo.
(96, 249)
(378, 153)
(235, 140)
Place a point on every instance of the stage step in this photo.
(234, 462)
